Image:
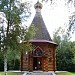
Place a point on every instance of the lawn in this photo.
(11, 73)
(66, 73)
(62, 73)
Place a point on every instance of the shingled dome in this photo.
(41, 32)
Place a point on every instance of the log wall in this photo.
(48, 58)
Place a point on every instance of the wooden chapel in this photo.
(43, 57)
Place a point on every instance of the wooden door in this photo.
(37, 63)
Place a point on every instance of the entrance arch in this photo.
(37, 59)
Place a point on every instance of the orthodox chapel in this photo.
(43, 57)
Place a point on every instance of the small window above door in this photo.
(37, 52)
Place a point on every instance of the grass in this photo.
(62, 73)
(10, 73)
(66, 73)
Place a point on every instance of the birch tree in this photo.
(14, 12)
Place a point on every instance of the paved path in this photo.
(39, 73)
(35, 72)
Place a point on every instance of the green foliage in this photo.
(64, 59)
(14, 11)
(71, 27)
(10, 73)
(12, 31)
(64, 53)
(31, 32)
(14, 64)
(1, 61)
(13, 60)
(73, 51)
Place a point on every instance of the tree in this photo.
(13, 60)
(73, 48)
(68, 1)
(71, 27)
(64, 54)
(1, 61)
(11, 32)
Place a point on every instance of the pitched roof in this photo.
(41, 32)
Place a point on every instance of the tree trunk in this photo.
(5, 62)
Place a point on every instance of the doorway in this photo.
(37, 63)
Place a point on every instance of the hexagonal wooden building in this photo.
(43, 57)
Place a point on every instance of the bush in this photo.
(64, 60)
(14, 65)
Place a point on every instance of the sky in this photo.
(54, 16)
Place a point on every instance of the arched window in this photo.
(37, 52)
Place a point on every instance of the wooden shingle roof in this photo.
(41, 32)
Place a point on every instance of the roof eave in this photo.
(43, 41)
